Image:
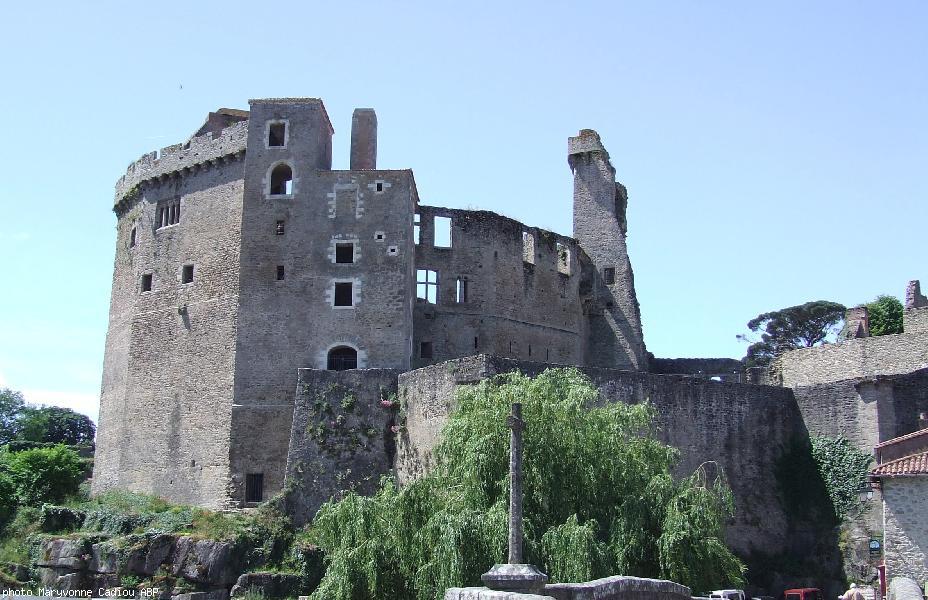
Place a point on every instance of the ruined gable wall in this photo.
(166, 395)
(744, 428)
(519, 303)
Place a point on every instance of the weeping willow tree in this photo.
(599, 500)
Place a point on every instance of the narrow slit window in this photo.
(254, 487)
(132, 235)
(476, 340)
(528, 247)
(609, 275)
(442, 232)
(425, 349)
(280, 228)
(280, 272)
(277, 135)
(344, 294)
(186, 275)
(416, 226)
(460, 291)
(282, 180)
(344, 253)
(427, 285)
(563, 258)
(146, 282)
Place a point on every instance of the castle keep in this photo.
(242, 257)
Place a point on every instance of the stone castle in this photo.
(266, 309)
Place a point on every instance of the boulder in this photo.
(211, 595)
(206, 561)
(104, 558)
(270, 585)
(64, 553)
(60, 579)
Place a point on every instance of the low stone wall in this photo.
(609, 588)
(342, 436)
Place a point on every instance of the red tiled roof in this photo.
(902, 438)
(914, 464)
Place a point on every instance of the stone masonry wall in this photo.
(906, 527)
(516, 304)
(726, 369)
(743, 428)
(166, 396)
(341, 437)
(608, 588)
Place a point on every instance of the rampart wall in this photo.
(744, 428)
(723, 369)
(522, 290)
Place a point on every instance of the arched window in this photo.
(343, 358)
(282, 180)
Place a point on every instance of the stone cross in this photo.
(515, 576)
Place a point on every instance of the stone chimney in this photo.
(913, 295)
(363, 139)
(856, 323)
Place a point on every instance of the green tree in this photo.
(793, 327)
(55, 425)
(599, 500)
(43, 474)
(11, 406)
(885, 315)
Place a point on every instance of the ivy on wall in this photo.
(842, 467)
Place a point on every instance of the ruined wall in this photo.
(166, 395)
(905, 527)
(291, 323)
(725, 369)
(744, 428)
(522, 299)
(341, 437)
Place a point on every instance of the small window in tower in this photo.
(280, 272)
(342, 358)
(475, 342)
(528, 247)
(563, 258)
(281, 180)
(344, 294)
(460, 291)
(380, 236)
(442, 232)
(254, 488)
(132, 237)
(186, 275)
(277, 134)
(416, 226)
(344, 253)
(167, 213)
(427, 285)
(379, 186)
(609, 275)
(280, 228)
(425, 349)
(146, 282)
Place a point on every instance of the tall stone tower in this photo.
(615, 337)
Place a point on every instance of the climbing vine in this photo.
(842, 468)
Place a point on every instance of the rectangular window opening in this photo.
(528, 247)
(277, 135)
(427, 285)
(132, 235)
(379, 186)
(475, 342)
(460, 295)
(529, 349)
(442, 232)
(425, 349)
(344, 294)
(167, 213)
(563, 258)
(280, 228)
(609, 275)
(280, 272)
(416, 226)
(186, 275)
(146, 282)
(254, 487)
(344, 253)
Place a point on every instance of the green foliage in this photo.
(885, 315)
(842, 468)
(11, 404)
(599, 499)
(43, 474)
(794, 327)
(56, 425)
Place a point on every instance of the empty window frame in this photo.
(609, 275)
(146, 282)
(344, 253)
(427, 285)
(280, 272)
(460, 290)
(563, 258)
(254, 488)
(167, 213)
(277, 134)
(528, 247)
(281, 180)
(442, 232)
(416, 227)
(186, 274)
(344, 294)
(425, 350)
(132, 236)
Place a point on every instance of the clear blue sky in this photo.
(774, 153)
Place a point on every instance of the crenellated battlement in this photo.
(197, 152)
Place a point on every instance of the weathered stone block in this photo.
(271, 585)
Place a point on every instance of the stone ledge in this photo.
(482, 593)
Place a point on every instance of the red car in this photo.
(803, 594)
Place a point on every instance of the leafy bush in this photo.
(885, 315)
(599, 499)
(43, 474)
